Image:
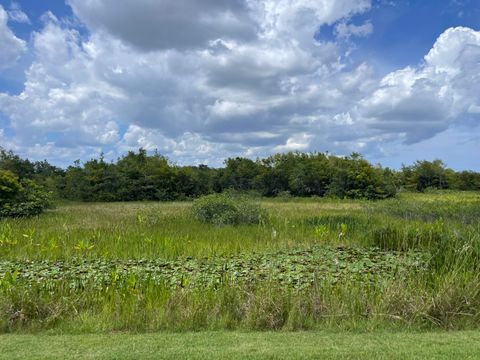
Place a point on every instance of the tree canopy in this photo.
(141, 176)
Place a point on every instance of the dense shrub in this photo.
(9, 186)
(21, 197)
(226, 209)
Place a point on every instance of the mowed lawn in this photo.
(245, 345)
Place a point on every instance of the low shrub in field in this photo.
(21, 197)
(225, 209)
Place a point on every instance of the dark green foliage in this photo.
(16, 165)
(42, 173)
(26, 188)
(225, 209)
(318, 174)
(21, 197)
(301, 174)
(468, 180)
(9, 186)
(356, 178)
(425, 174)
(134, 177)
(139, 176)
(240, 174)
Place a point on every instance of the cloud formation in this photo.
(238, 77)
(421, 102)
(11, 47)
(157, 25)
(16, 14)
(344, 30)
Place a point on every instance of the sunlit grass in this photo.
(157, 230)
(185, 274)
(167, 230)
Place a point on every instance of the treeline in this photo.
(140, 176)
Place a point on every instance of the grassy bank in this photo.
(235, 345)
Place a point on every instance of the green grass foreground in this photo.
(239, 345)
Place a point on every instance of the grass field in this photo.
(236, 345)
(166, 230)
(410, 263)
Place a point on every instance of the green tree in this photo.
(240, 174)
(10, 186)
(426, 174)
(21, 197)
(23, 168)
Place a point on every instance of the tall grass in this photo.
(155, 230)
(445, 227)
(452, 303)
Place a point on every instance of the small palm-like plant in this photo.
(83, 246)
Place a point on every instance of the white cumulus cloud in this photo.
(200, 81)
(11, 47)
(423, 101)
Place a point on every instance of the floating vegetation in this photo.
(296, 269)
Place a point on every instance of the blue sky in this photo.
(201, 81)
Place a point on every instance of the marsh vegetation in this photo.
(408, 262)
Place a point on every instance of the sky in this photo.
(201, 81)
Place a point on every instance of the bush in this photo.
(225, 209)
(21, 197)
(9, 186)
